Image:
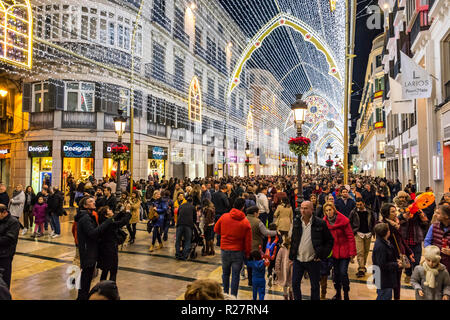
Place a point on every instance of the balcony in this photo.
(179, 34)
(41, 120)
(80, 120)
(160, 18)
(156, 72)
(156, 129)
(420, 24)
(109, 122)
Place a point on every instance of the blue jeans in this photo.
(326, 266)
(417, 250)
(184, 232)
(54, 222)
(259, 287)
(340, 276)
(232, 262)
(264, 218)
(216, 218)
(156, 235)
(313, 268)
(384, 294)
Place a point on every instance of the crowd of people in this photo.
(262, 232)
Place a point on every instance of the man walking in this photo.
(9, 234)
(345, 204)
(221, 204)
(185, 225)
(236, 244)
(311, 241)
(362, 221)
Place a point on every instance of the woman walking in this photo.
(209, 213)
(135, 212)
(283, 217)
(389, 215)
(344, 248)
(30, 201)
(158, 205)
(55, 210)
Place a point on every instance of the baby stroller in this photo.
(197, 240)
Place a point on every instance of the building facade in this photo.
(57, 119)
(418, 141)
(370, 128)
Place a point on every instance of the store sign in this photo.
(416, 80)
(157, 153)
(38, 149)
(5, 151)
(107, 149)
(77, 149)
(378, 94)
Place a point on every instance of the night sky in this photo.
(363, 46)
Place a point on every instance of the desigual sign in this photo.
(40, 149)
(5, 151)
(157, 153)
(77, 149)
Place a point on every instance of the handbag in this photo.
(121, 236)
(153, 214)
(405, 261)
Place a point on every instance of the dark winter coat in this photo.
(9, 234)
(111, 202)
(29, 206)
(186, 215)
(55, 204)
(88, 235)
(321, 237)
(221, 203)
(345, 208)
(108, 244)
(4, 198)
(384, 257)
(355, 222)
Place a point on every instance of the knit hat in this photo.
(432, 253)
(402, 194)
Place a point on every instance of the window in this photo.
(41, 97)
(124, 100)
(55, 34)
(103, 31)
(126, 38)
(111, 31)
(120, 35)
(74, 29)
(93, 28)
(80, 96)
(179, 73)
(48, 26)
(378, 60)
(65, 25)
(158, 66)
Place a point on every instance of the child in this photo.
(383, 256)
(283, 269)
(258, 274)
(39, 211)
(431, 279)
(275, 249)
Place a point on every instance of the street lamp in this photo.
(119, 125)
(299, 108)
(329, 148)
(247, 163)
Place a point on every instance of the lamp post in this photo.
(247, 163)
(119, 125)
(299, 108)
(329, 148)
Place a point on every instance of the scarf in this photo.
(332, 220)
(15, 193)
(431, 273)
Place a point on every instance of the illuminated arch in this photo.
(16, 32)
(325, 137)
(195, 100)
(310, 131)
(283, 19)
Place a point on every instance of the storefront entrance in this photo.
(5, 164)
(110, 166)
(78, 163)
(156, 165)
(40, 153)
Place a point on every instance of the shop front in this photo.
(157, 157)
(110, 166)
(78, 162)
(5, 164)
(40, 153)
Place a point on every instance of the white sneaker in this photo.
(52, 234)
(24, 231)
(270, 282)
(55, 236)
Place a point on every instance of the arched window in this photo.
(16, 42)
(195, 100)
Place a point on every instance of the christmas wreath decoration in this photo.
(299, 146)
(247, 162)
(339, 167)
(329, 162)
(283, 165)
(120, 152)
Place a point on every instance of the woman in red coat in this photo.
(344, 248)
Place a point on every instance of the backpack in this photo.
(121, 236)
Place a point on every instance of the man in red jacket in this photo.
(236, 244)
